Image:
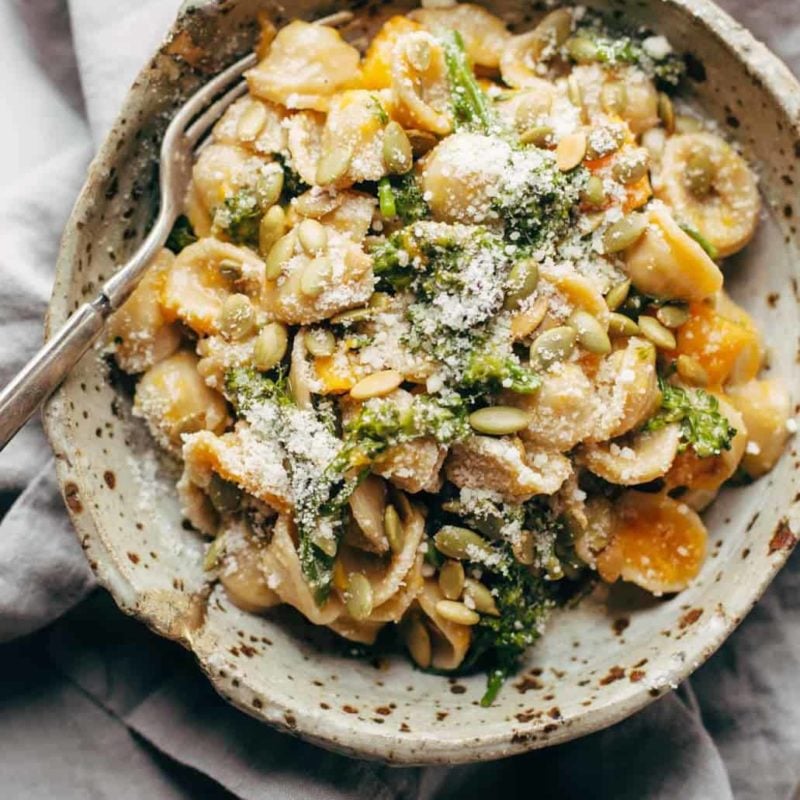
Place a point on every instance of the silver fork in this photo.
(44, 373)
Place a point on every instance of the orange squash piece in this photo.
(335, 373)
(376, 68)
(656, 542)
(728, 349)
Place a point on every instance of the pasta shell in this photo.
(449, 641)
(242, 574)
(266, 136)
(367, 505)
(304, 66)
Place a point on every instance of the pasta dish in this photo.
(442, 339)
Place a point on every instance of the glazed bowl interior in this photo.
(598, 662)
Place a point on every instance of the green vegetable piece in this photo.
(181, 235)
(711, 251)
(471, 107)
(386, 201)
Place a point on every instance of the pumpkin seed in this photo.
(620, 325)
(617, 295)
(352, 316)
(419, 54)
(214, 553)
(457, 613)
(524, 548)
(481, 597)
(595, 191)
(555, 28)
(624, 233)
(523, 279)
(279, 254)
(397, 154)
(591, 334)
(461, 543)
(582, 49)
(421, 141)
(270, 346)
(320, 342)
(230, 270)
(538, 135)
(451, 579)
(660, 336)
(393, 528)
(418, 642)
(315, 275)
(315, 203)
(700, 172)
(225, 496)
(499, 420)
(358, 597)
(631, 167)
(380, 300)
(570, 151)
(333, 165)
(251, 122)
(312, 236)
(614, 97)
(270, 229)
(553, 345)
(238, 317)
(574, 92)
(603, 141)
(691, 370)
(377, 384)
(269, 186)
(672, 316)
(666, 112)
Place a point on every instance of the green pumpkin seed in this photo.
(481, 597)
(604, 140)
(582, 49)
(421, 142)
(271, 228)
(380, 301)
(270, 346)
(700, 172)
(461, 543)
(320, 342)
(238, 317)
(397, 153)
(312, 236)
(358, 597)
(595, 191)
(591, 334)
(620, 325)
(279, 254)
(660, 336)
(631, 167)
(315, 276)
(672, 316)
(617, 295)
(499, 420)
(552, 346)
(614, 97)
(269, 187)
(624, 233)
(522, 282)
(418, 642)
(419, 54)
(524, 548)
(352, 316)
(666, 112)
(225, 496)
(316, 204)
(333, 165)
(214, 553)
(393, 528)
(555, 28)
(251, 122)
(691, 370)
(457, 613)
(538, 135)
(451, 579)
(574, 92)
(231, 270)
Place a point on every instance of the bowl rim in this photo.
(335, 731)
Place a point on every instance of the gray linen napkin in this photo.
(97, 706)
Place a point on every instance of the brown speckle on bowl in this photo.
(614, 674)
(783, 538)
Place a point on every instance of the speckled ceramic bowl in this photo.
(598, 663)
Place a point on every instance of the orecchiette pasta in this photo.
(426, 327)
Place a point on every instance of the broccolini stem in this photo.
(470, 105)
(386, 199)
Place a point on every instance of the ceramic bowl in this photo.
(599, 662)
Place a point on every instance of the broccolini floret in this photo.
(239, 216)
(181, 235)
(704, 427)
(471, 107)
(492, 371)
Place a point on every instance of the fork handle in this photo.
(43, 374)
